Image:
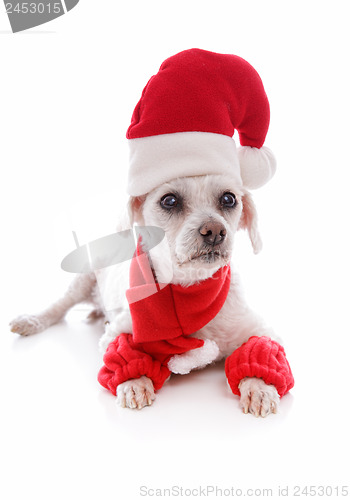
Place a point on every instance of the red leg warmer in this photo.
(124, 360)
(263, 358)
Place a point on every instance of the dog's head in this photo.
(200, 216)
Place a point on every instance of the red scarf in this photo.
(167, 312)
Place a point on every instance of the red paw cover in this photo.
(123, 361)
(263, 358)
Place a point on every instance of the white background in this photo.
(67, 91)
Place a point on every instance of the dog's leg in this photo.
(136, 393)
(79, 291)
(121, 323)
(257, 397)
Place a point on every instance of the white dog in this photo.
(200, 216)
(187, 178)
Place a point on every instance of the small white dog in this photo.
(187, 178)
(200, 216)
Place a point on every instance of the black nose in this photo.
(213, 233)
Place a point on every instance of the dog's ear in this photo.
(249, 221)
(135, 209)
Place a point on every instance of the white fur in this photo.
(120, 324)
(80, 290)
(180, 261)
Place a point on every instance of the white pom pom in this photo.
(196, 358)
(258, 166)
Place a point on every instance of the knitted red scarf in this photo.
(172, 312)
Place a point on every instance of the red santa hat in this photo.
(186, 117)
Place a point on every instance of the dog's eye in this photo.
(228, 200)
(169, 201)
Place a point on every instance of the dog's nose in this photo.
(213, 233)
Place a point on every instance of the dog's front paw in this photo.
(257, 397)
(27, 325)
(136, 393)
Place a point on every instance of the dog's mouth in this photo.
(207, 256)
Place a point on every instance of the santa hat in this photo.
(186, 117)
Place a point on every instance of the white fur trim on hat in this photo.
(157, 159)
(258, 166)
